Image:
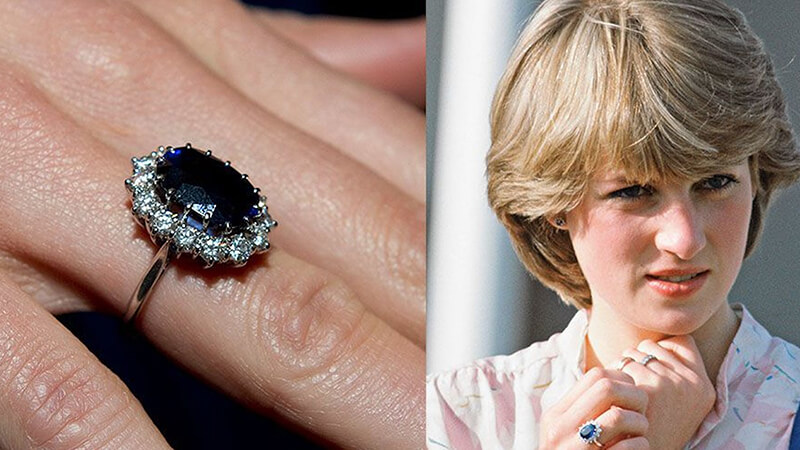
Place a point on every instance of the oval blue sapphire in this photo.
(587, 432)
(213, 195)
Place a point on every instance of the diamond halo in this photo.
(164, 224)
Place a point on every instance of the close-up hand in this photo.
(325, 332)
(611, 399)
(679, 390)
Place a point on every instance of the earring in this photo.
(560, 222)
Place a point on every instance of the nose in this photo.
(680, 230)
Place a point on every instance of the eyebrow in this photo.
(618, 179)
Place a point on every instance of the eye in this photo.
(718, 183)
(634, 192)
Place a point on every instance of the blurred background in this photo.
(480, 300)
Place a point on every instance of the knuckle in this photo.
(615, 417)
(308, 321)
(595, 374)
(67, 401)
(59, 396)
(608, 388)
(645, 422)
(627, 378)
(117, 49)
(637, 422)
(105, 45)
(708, 396)
(660, 383)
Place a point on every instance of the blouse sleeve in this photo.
(470, 408)
(453, 407)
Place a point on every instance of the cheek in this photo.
(607, 247)
(730, 224)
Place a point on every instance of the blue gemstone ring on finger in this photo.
(590, 432)
(192, 203)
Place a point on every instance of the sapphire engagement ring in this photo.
(193, 203)
(590, 433)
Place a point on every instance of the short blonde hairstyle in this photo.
(677, 88)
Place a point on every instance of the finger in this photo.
(44, 286)
(665, 356)
(635, 443)
(290, 340)
(619, 424)
(388, 55)
(383, 133)
(606, 393)
(588, 380)
(684, 348)
(653, 367)
(280, 335)
(54, 393)
(334, 213)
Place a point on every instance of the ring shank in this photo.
(647, 359)
(624, 362)
(148, 281)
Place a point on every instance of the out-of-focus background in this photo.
(480, 300)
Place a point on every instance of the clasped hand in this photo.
(659, 405)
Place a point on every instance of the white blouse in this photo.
(497, 402)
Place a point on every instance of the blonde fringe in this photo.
(656, 89)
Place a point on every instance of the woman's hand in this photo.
(680, 392)
(607, 396)
(325, 331)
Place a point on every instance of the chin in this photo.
(673, 323)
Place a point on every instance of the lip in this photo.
(677, 272)
(681, 289)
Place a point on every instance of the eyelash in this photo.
(637, 191)
(729, 181)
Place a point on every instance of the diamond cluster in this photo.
(164, 224)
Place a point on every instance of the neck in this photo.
(609, 335)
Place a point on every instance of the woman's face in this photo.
(663, 257)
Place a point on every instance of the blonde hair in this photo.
(676, 88)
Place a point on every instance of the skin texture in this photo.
(681, 224)
(623, 232)
(401, 70)
(326, 330)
